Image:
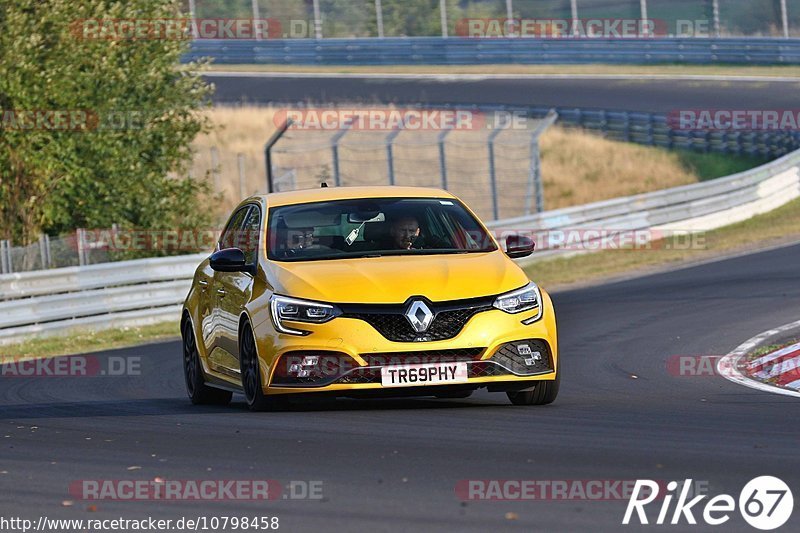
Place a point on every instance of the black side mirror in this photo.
(519, 246)
(229, 260)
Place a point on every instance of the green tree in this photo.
(123, 164)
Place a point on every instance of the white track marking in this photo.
(727, 366)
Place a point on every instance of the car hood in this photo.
(394, 279)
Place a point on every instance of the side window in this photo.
(250, 235)
(230, 236)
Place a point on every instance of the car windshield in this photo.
(370, 227)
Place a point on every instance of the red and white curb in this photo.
(781, 366)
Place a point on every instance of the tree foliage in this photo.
(142, 110)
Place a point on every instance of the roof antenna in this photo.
(324, 184)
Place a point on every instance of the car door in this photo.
(233, 290)
(220, 358)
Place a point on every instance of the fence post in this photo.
(337, 177)
(47, 250)
(785, 19)
(256, 16)
(3, 258)
(389, 151)
(715, 17)
(242, 180)
(268, 151)
(193, 15)
(215, 167)
(535, 184)
(643, 10)
(42, 251)
(574, 13)
(379, 17)
(492, 173)
(442, 157)
(81, 247)
(443, 13)
(317, 21)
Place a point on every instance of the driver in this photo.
(292, 241)
(404, 231)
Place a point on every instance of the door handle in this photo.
(203, 283)
(221, 292)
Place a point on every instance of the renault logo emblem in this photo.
(420, 316)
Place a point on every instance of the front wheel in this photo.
(543, 393)
(251, 375)
(199, 393)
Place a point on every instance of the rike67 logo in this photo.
(765, 503)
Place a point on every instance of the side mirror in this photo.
(519, 246)
(229, 260)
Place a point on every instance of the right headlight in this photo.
(284, 309)
(527, 298)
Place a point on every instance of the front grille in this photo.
(422, 357)
(390, 321)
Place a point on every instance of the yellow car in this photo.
(365, 291)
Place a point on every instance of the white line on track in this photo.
(480, 77)
(727, 366)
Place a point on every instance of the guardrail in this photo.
(469, 51)
(151, 290)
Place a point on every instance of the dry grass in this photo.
(578, 167)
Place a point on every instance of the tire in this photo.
(543, 393)
(199, 393)
(251, 375)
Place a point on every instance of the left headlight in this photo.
(525, 299)
(285, 309)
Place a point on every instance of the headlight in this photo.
(525, 299)
(285, 309)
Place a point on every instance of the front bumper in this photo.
(483, 344)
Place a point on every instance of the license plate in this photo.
(426, 374)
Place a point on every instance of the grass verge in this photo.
(668, 70)
(86, 341)
(779, 226)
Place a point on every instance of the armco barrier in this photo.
(151, 290)
(467, 51)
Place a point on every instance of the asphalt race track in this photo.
(647, 95)
(394, 464)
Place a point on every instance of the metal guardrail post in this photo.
(81, 242)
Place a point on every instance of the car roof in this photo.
(323, 194)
